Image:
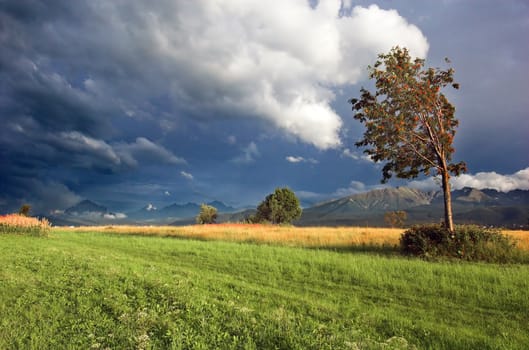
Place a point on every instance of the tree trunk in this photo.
(449, 223)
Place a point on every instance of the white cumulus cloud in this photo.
(294, 159)
(186, 175)
(274, 60)
(114, 216)
(353, 155)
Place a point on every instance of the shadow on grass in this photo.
(378, 249)
(516, 257)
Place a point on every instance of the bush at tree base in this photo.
(207, 215)
(467, 242)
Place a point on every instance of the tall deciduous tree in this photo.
(410, 124)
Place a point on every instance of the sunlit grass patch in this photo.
(521, 237)
(310, 237)
(20, 224)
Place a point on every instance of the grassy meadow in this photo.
(250, 287)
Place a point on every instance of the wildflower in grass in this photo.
(143, 341)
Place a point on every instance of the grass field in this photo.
(84, 289)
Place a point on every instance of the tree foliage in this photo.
(410, 124)
(279, 207)
(207, 215)
(24, 210)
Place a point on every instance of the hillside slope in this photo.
(484, 207)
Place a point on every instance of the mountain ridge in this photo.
(470, 205)
(86, 206)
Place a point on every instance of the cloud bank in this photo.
(277, 67)
(481, 180)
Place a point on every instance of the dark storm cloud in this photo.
(51, 102)
(487, 42)
(64, 79)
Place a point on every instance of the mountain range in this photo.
(484, 207)
(175, 211)
(88, 212)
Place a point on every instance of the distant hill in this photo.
(377, 200)
(86, 206)
(221, 207)
(360, 209)
(180, 210)
(485, 207)
(85, 213)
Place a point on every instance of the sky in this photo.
(130, 102)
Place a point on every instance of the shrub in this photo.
(467, 242)
(207, 215)
(280, 207)
(21, 224)
(395, 218)
(24, 210)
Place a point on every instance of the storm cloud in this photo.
(119, 93)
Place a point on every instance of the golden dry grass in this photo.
(283, 235)
(22, 221)
(16, 223)
(521, 237)
(291, 236)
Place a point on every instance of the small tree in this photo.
(395, 218)
(24, 210)
(409, 123)
(207, 215)
(279, 207)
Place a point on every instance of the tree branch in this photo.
(433, 136)
(416, 151)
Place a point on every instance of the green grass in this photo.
(92, 290)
